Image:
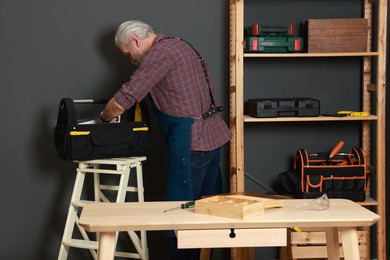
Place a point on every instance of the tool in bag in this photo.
(339, 175)
(81, 139)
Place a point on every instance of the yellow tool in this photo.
(79, 133)
(137, 113)
(295, 229)
(353, 113)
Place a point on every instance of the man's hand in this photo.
(112, 112)
(114, 120)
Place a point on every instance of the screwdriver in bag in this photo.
(189, 204)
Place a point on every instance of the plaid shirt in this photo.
(173, 75)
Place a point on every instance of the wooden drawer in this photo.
(218, 238)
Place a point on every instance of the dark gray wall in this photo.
(55, 49)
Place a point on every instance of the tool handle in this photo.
(336, 149)
(188, 204)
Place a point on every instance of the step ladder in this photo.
(103, 170)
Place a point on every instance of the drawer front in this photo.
(217, 238)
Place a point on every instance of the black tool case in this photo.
(81, 139)
(283, 107)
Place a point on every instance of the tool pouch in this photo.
(78, 139)
(343, 176)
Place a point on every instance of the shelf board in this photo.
(249, 119)
(369, 202)
(309, 55)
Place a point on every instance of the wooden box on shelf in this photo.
(336, 35)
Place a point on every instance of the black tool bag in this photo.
(79, 139)
(343, 176)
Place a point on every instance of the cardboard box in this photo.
(336, 35)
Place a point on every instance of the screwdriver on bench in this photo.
(189, 204)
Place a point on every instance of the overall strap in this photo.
(202, 62)
(213, 109)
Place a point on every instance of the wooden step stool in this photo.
(121, 167)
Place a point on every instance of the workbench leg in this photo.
(107, 245)
(332, 241)
(350, 242)
(243, 253)
(205, 254)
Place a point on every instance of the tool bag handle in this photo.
(67, 110)
(301, 159)
(361, 159)
(90, 101)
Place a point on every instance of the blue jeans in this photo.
(206, 173)
(206, 180)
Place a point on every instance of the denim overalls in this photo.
(177, 133)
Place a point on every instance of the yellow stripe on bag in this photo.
(80, 132)
(141, 129)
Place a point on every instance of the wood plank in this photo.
(107, 244)
(350, 243)
(310, 55)
(249, 119)
(318, 238)
(381, 133)
(333, 243)
(311, 252)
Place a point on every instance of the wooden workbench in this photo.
(205, 231)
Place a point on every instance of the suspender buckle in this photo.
(212, 111)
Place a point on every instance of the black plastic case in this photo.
(283, 107)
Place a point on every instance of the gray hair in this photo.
(134, 27)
